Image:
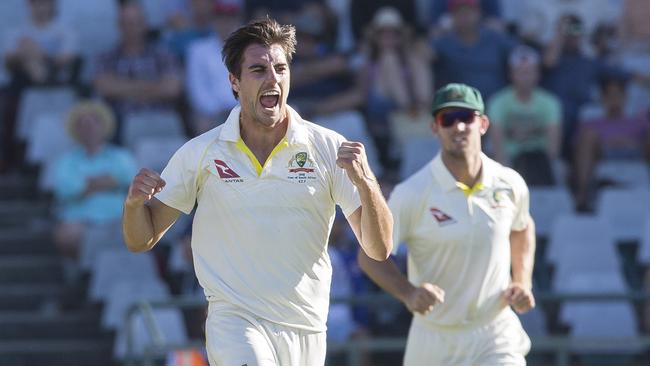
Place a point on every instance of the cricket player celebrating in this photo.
(265, 183)
(465, 220)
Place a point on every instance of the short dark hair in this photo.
(265, 32)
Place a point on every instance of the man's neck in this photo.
(466, 170)
(261, 140)
(523, 94)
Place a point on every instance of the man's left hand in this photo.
(520, 297)
(352, 157)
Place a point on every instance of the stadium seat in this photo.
(625, 210)
(624, 173)
(547, 203)
(42, 101)
(599, 320)
(150, 124)
(95, 23)
(13, 14)
(154, 152)
(416, 154)
(169, 322)
(46, 143)
(99, 238)
(125, 294)
(116, 266)
(573, 238)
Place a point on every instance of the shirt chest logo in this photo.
(441, 217)
(225, 173)
(301, 168)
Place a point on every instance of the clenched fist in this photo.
(519, 297)
(422, 299)
(352, 158)
(143, 187)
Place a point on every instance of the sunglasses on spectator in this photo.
(448, 119)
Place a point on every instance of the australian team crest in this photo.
(301, 167)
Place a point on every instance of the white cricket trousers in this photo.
(235, 337)
(502, 341)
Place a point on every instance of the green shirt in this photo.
(524, 124)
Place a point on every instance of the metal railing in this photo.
(561, 346)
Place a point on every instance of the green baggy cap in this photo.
(457, 95)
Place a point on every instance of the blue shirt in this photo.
(75, 167)
(482, 65)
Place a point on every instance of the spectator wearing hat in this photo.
(92, 179)
(471, 53)
(396, 77)
(207, 84)
(526, 121)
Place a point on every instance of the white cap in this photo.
(387, 16)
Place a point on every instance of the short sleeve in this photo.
(522, 204)
(344, 193)
(180, 177)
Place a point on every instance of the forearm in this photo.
(376, 221)
(386, 275)
(137, 226)
(522, 250)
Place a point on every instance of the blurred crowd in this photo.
(90, 91)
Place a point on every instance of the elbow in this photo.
(135, 247)
(382, 253)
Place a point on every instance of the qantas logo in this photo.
(225, 172)
(441, 217)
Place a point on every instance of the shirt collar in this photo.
(296, 131)
(447, 180)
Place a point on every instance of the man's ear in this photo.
(234, 82)
(434, 127)
(485, 124)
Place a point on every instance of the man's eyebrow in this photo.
(255, 66)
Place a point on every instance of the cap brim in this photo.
(455, 104)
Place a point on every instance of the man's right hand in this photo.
(422, 299)
(143, 187)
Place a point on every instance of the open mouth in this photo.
(270, 99)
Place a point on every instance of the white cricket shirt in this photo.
(259, 236)
(460, 241)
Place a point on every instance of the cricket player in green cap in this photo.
(471, 243)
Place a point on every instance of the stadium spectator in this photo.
(635, 29)
(207, 85)
(42, 52)
(137, 76)
(471, 53)
(200, 25)
(441, 19)
(525, 121)
(471, 246)
(614, 136)
(91, 180)
(570, 74)
(396, 80)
